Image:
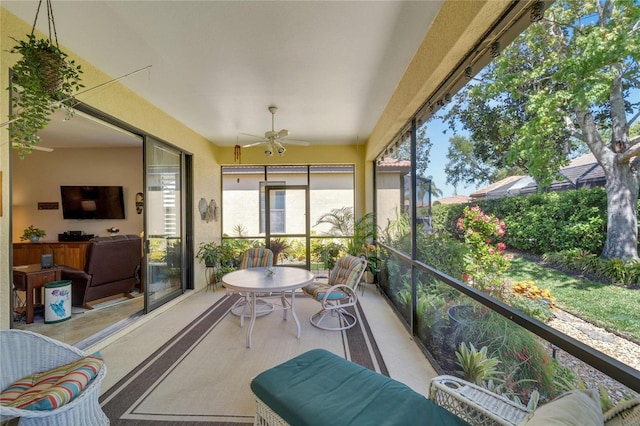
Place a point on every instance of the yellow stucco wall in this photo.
(119, 102)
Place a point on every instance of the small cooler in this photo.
(57, 301)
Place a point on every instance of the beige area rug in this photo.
(202, 375)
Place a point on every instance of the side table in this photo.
(33, 277)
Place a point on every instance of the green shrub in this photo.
(526, 362)
(542, 223)
(440, 251)
(613, 271)
(476, 365)
(617, 271)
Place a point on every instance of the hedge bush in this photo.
(542, 223)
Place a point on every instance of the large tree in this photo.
(466, 166)
(570, 79)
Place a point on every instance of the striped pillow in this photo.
(346, 271)
(51, 389)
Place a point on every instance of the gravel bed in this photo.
(608, 343)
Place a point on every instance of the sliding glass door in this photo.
(164, 239)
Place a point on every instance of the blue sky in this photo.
(438, 160)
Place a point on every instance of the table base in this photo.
(286, 305)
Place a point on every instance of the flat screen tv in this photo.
(92, 202)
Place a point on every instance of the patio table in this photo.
(278, 279)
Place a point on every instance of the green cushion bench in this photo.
(320, 388)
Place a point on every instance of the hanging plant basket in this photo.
(42, 81)
(51, 64)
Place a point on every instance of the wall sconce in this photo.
(139, 202)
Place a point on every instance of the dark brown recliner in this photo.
(112, 268)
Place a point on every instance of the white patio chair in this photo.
(338, 294)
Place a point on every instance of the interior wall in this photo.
(123, 104)
(38, 177)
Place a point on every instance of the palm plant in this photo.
(278, 247)
(341, 221)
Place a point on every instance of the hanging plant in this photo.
(43, 81)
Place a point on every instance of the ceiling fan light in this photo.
(283, 133)
(280, 149)
(268, 152)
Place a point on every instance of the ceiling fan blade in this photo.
(254, 144)
(252, 136)
(294, 142)
(283, 133)
(34, 147)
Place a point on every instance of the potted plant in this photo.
(217, 257)
(32, 234)
(278, 247)
(210, 254)
(43, 80)
(113, 230)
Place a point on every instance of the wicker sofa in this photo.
(23, 353)
(480, 407)
(319, 388)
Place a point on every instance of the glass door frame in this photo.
(186, 223)
(307, 209)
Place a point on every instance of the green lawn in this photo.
(608, 306)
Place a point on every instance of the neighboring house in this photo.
(390, 181)
(582, 172)
(454, 199)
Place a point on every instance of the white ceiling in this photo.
(329, 66)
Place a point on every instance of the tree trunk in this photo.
(623, 182)
(622, 212)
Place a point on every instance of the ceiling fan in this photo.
(275, 140)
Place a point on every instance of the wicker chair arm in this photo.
(476, 405)
(626, 413)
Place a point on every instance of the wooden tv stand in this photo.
(68, 253)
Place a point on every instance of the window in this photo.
(278, 208)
